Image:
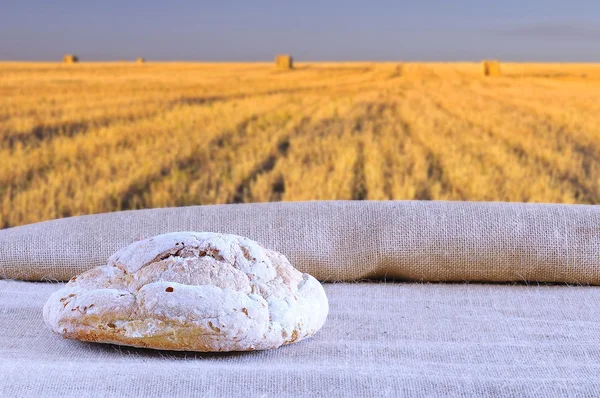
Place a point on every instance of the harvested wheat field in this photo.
(90, 138)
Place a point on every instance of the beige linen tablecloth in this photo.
(381, 339)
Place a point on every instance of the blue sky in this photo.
(311, 30)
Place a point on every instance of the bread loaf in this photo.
(196, 291)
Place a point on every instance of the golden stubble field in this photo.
(90, 138)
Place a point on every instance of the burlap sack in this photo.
(380, 339)
(342, 240)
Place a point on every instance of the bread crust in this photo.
(191, 291)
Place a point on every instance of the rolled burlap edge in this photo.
(436, 241)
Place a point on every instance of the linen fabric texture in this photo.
(400, 335)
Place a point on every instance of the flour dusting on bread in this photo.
(196, 291)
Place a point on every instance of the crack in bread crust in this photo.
(196, 291)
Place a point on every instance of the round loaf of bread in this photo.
(192, 291)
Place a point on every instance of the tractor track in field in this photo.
(436, 172)
(133, 196)
(402, 133)
(242, 193)
(243, 190)
(359, 181)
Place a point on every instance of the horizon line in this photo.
(146, 60)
